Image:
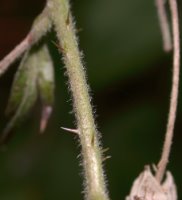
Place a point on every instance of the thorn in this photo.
(71, 130)
(46, 112)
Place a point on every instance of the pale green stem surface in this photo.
(94, 186)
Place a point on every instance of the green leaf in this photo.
(35, 73)
(19, 85)
(24, 91)
(45, 85)
(46, 76)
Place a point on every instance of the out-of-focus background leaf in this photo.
(130, 78)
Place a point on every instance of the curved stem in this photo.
(14, 54)
(164, 25)
(95, 188)
(174, 92)
(40, 26)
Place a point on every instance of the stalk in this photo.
(174, 92)
(94, 187)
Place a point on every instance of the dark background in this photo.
(130, 80)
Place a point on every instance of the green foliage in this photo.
(35, 74)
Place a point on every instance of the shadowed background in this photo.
(130, 77)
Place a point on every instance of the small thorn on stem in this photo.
(71, 130)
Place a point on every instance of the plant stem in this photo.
(174, 92)
(95, 188)
(40, 27)
(14, 54)
(164, 25)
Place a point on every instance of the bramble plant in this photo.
(35, 76)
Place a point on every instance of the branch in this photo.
(164, 25)
(95, 188)
(39, 28)
(174, 92)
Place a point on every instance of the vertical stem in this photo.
(164, 25)
(95, 188)
(174, 92)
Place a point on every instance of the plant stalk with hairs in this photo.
(36, 67)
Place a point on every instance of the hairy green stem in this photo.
(95, 188)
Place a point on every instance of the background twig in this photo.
(174, 92)
(164, 25)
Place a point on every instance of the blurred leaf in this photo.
(19, 85)
(35, 72)
(24, 91)
(46, 76)
(45, 85)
